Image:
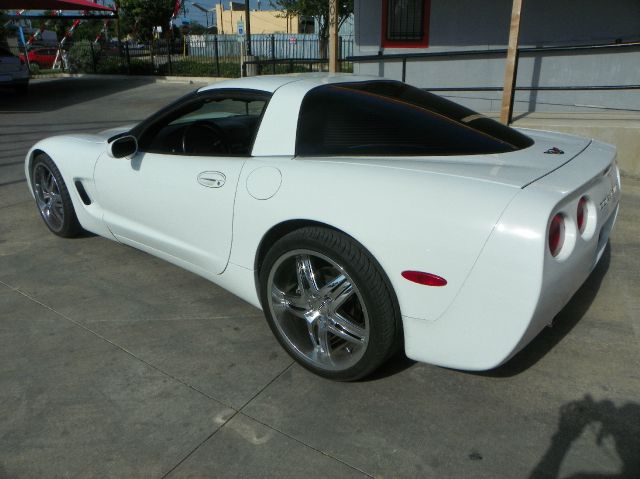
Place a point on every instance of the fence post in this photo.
(404, 70)
(215, 48)
(273, 54)
(169, 44)
(93, 57)
(153, 62)
(128, 57)
(290, 65)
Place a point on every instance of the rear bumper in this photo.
(516, 287)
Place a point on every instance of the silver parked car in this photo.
(13, 71)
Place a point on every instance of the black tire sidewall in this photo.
(70, 225)
(363, 270)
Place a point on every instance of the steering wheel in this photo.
(202, 137)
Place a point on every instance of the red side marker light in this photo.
(426, 279)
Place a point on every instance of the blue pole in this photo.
(24, 44)
(22, 40)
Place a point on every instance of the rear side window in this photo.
(391, 118)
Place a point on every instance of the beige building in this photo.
(262, 21)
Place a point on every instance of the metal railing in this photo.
(292, 65)
(404, 57)
(502, 52)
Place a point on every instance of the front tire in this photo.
(328, 304)
(52, 198)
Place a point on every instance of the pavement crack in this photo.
(192, 452)
(195, 389)
(130, 353)
(302, 443)
(291, 363)
(236, 412)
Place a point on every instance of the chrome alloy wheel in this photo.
(318, 310)
(48, 197)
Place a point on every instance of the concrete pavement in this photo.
(116, 364)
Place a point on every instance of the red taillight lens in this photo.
(582, 214)
(556, 234)
(426, 279)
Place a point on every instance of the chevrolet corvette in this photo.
(362, 215)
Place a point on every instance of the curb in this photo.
(155, 78)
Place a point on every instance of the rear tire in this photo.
(328, 304)
(52, 198)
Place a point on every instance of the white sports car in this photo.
(361, 214)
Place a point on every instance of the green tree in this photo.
(197, 28)
(319, 11)
(60, 26)
(140, 16)
(90, 29)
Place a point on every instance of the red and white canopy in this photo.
(53, 5)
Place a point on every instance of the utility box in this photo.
(251, 69)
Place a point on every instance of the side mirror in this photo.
(123, 146)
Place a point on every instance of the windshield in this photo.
(391, 118)
(221, 108)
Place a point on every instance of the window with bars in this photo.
(405, 23)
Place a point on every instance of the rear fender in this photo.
(406, 220)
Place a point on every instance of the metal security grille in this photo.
(405, 20)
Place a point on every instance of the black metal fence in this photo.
(196, 55)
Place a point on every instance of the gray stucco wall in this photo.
(472, 24)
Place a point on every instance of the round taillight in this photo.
(582, 214)
(556, 234)
(427, 279)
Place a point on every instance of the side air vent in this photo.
(83, 193)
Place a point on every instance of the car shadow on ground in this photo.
(563, 323)
(56, 93)
(395, 365)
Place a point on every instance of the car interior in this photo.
(209, 127)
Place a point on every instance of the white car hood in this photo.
(101, 136)
(116, 131)
(516, 169)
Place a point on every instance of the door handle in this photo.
(212, 179)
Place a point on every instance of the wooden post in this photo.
(334, 54)
(247, 28)
(511, 66)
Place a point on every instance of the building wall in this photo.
(262, 21)
(472, 25)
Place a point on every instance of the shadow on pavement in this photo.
(621, 424)
(395, 365)
(50, 95)
(563, 323)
